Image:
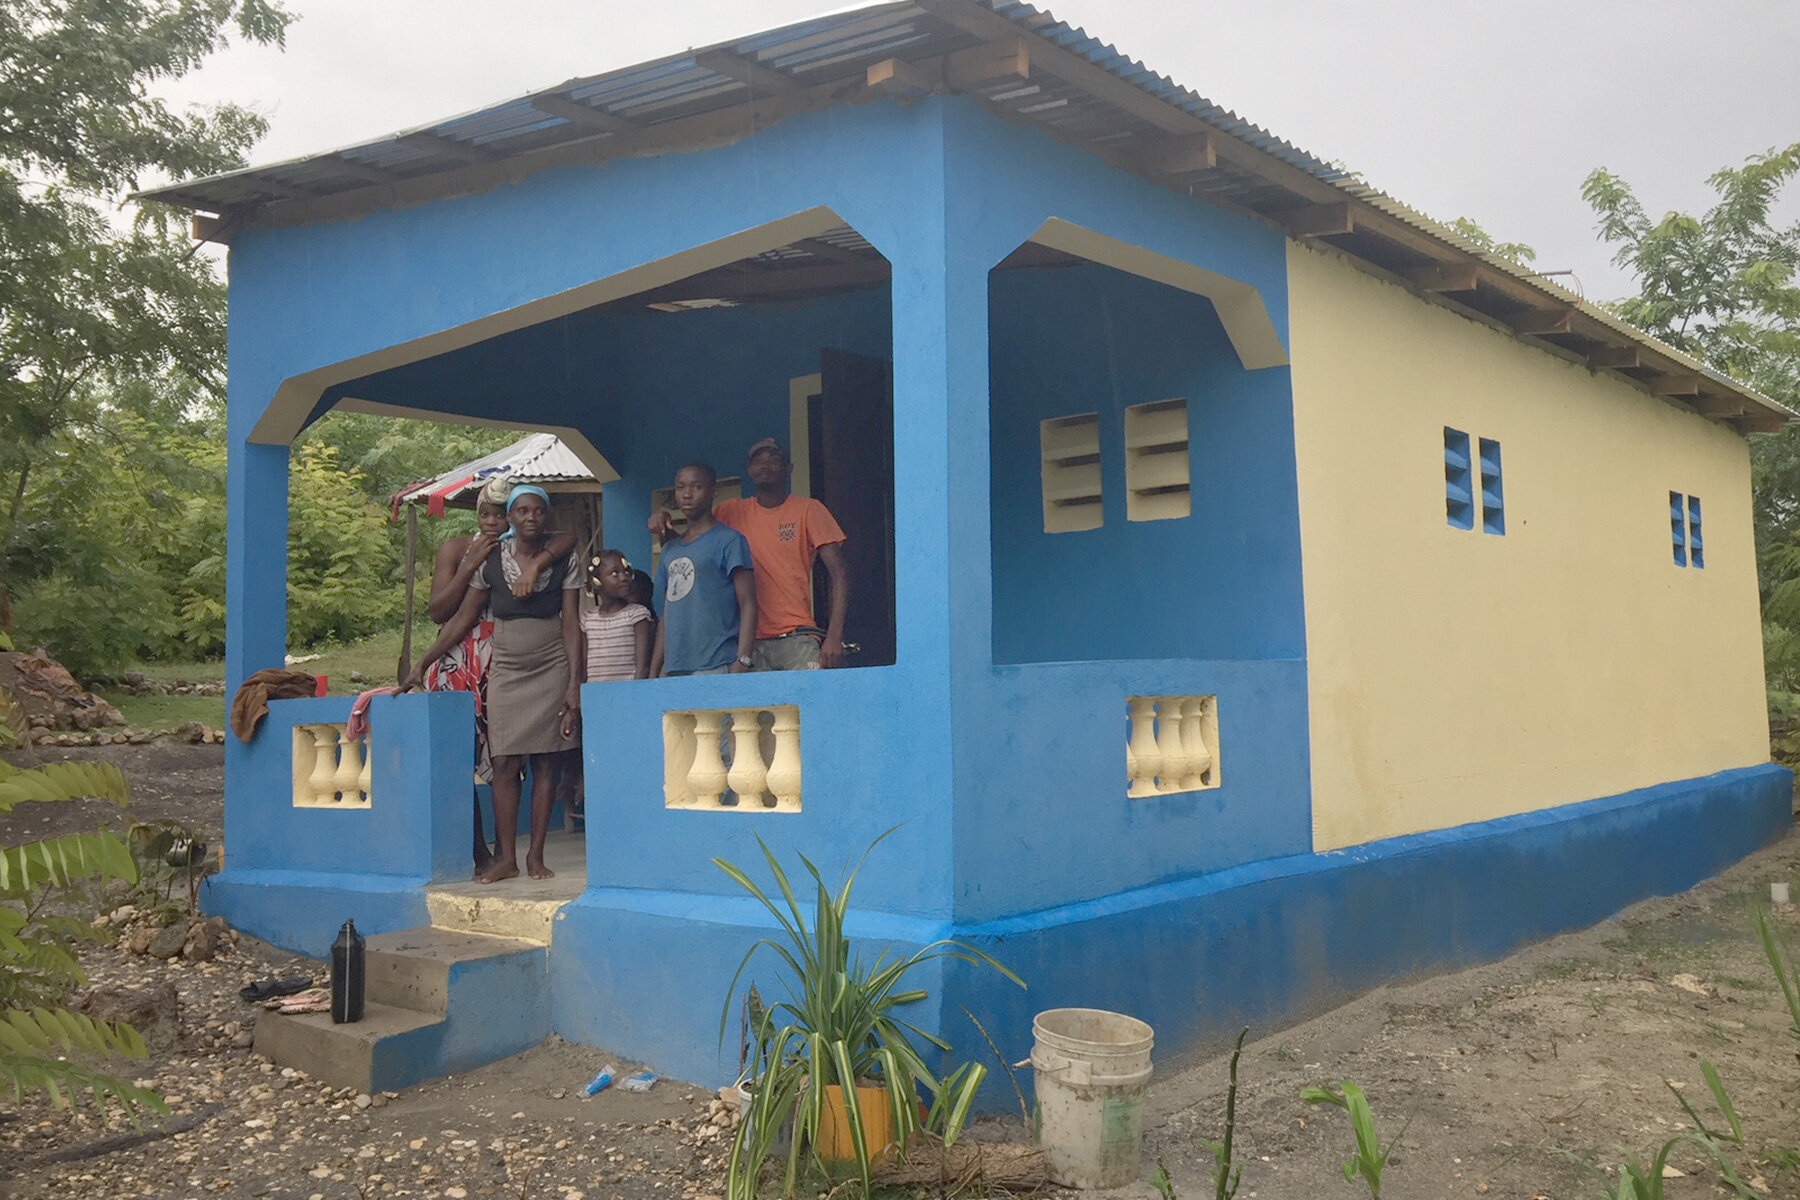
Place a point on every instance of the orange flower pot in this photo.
(835, 1144)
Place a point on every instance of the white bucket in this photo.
(1090, 1069)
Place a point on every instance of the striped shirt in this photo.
(612, 642)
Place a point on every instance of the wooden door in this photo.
(850, 431)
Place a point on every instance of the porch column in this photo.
(943, 579)
(256, 542)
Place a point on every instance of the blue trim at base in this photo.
(1275, 942)
(645, 973)
(301, 911)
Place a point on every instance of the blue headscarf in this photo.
(523, 489)
(526, 489)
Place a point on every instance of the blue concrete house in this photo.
(1263, 592)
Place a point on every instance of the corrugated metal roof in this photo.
(538, 458)
(642, 108)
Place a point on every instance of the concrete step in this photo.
(438, 1002)
(413, 969)
(463, 908)
(385, 1051)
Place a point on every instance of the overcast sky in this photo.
(1486, 110)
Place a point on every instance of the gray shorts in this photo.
(797, 651)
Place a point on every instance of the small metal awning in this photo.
(541, 459)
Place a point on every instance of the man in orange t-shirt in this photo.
(787, 534)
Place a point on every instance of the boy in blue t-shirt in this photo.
(705, 587)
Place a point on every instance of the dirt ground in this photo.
(1527, 1078)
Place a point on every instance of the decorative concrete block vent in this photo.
(330, 770)
(1071, 473)
(1172, 744)
(744, 760)
(1158, 473)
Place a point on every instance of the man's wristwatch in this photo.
(744, 660)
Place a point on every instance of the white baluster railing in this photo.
(1172, 744)
(330, 771)
(729, 761)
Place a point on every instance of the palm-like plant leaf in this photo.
(64, 781)
(29, 1072)
(58, 862)
(50, 1030)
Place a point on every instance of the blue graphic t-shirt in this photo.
(698, 602)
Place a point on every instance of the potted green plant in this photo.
(839, 1030)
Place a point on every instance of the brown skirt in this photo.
(527, 680)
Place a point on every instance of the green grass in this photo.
(374, 657)
(167, 712)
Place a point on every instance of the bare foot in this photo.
(502, 868)
(535, 866)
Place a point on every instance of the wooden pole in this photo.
(412, 562)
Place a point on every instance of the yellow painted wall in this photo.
(1458, 676)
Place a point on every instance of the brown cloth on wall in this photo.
(251, 704)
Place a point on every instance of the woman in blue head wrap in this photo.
(533, 680)
(464, 666)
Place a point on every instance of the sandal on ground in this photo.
(315, 1000)
(268, 989)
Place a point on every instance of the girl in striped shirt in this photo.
(619, 633)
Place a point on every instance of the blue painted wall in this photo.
(293, 875)
(1223, 583)
(650, 390)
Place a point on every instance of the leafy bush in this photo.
(38, 967)
(840, 1024)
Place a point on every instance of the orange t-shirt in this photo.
(784, 542)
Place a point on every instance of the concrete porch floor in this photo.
(521, 907)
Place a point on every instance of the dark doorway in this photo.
(851, 434)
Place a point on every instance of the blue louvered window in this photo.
(1459, 495)
(1685, 532)
(1472, 483)
(1696, 544)
(1493, 496)
(1678, 527)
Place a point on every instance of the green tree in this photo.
(1518, 252)
(1721, 286)
(86, 305)
(340, 561)
(108, 529)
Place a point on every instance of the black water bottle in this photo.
(347, 975)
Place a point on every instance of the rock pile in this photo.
(195, 939)
(50, 696)
(134, 683)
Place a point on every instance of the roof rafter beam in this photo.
(897, 77)
(758, 77)
(1719, 406)
(1760, 422)
(1617, 358)
(1179, 154)
(1677, 385)
(1541, 322)
(577, 113)
(1446, 277)
(1318, 220)
(466, 151)
(991, 62)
